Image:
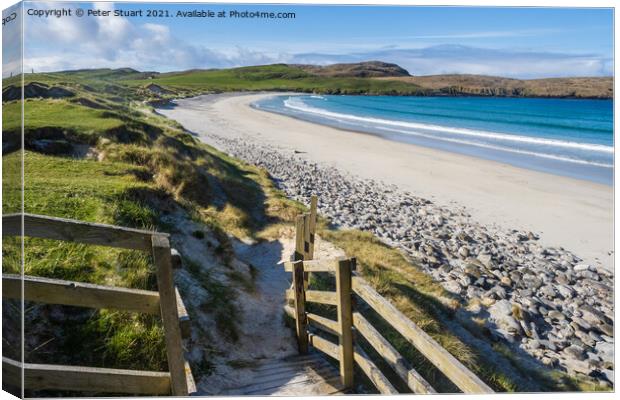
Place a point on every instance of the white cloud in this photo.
(118, 42)
(449, 59)
(53, 44)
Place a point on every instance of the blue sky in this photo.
(514, 42)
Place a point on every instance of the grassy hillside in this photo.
(103, 155)
(368, 69)
(372, 78)
(275, 77)
(480, 85)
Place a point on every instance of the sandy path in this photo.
(263, 335)
(573, 214)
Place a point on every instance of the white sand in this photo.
(574, 214)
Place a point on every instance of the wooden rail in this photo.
(46, 227)
(166, 302)
(316, 296)
(462, 377)
(410, 376)
(87, 379)
(347, 352)
(56, 291)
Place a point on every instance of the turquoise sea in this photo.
(559, 136)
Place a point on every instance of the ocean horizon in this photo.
(567, 137)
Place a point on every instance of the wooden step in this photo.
(294, 376)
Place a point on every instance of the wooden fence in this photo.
(351, 322)
(166, 302)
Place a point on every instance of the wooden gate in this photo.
(351, 323)
(166, 302)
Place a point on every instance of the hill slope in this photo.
(367, 69)
(281, 77)
(481, 85)
(366, 78)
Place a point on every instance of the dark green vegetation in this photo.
(102, 155)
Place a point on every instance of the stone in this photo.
(473, 270)
(549, 361)
(500, 292)
(558, 316)
(608, 339)
(606, 329)
(487, 301)
(581, 267)
(562, 279)
(595, 336)
(501, 314)
(585, 338)
(582, 323)
(486, 260)
(590, 275)
(548, 344)
(548, 291)
(452, 286)
(505, 281)
(464, 280)
(515, 276)
(605, 350)
(565, 291)
(577, 366)
(574, 352)
(463, 251)
(591, 316)
(531, 282)
(594, 364)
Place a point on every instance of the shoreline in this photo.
(566, 312)
(494, 193)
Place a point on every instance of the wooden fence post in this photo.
(301, 227)
(301, 323)
(345, 320)
(312, 226)
(299, 238)
(169, 316)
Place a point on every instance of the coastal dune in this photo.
(564, 212)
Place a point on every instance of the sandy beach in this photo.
(574, 214)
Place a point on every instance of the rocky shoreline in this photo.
(546, 301)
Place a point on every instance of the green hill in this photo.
(277, 77)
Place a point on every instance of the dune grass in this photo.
(89, 191)
(64, 114)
